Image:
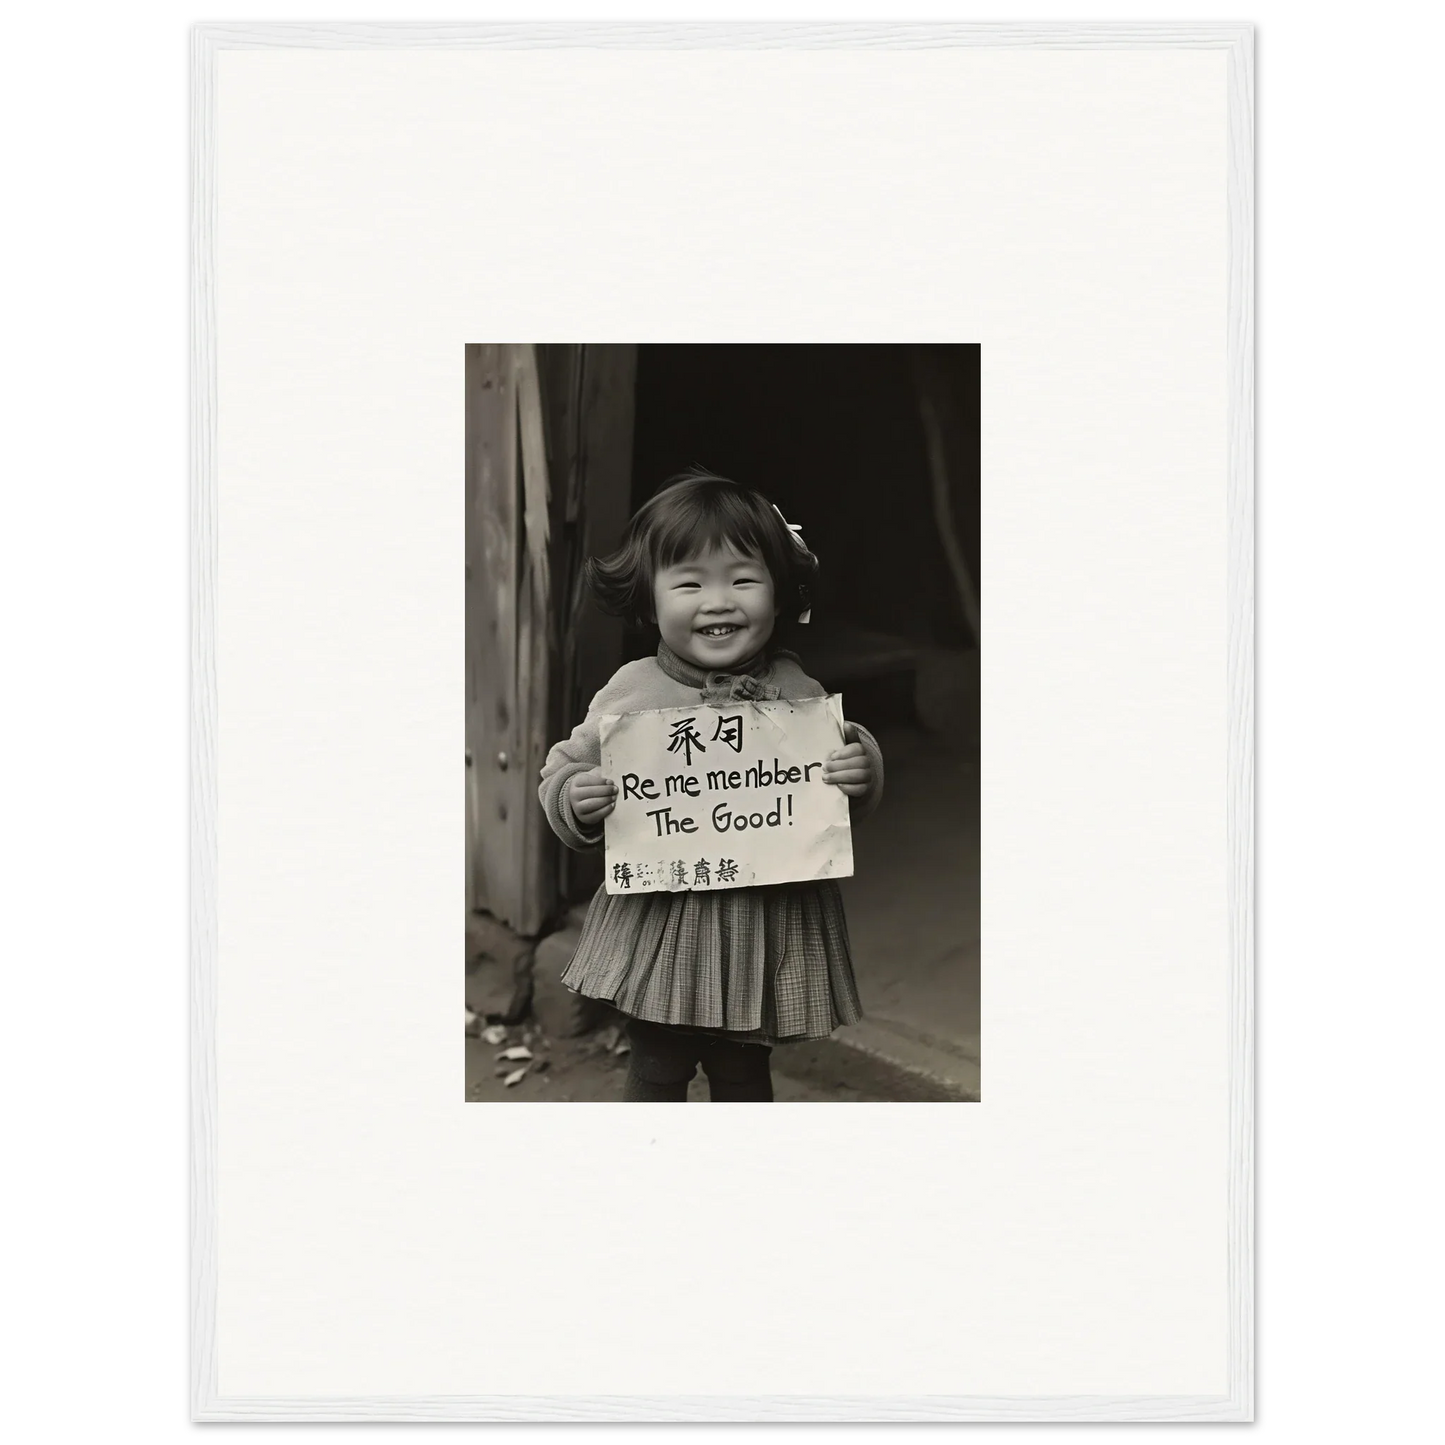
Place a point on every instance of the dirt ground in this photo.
(588, 1070)
(592, 1069)
(585, 1071)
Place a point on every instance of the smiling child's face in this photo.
(717, 609)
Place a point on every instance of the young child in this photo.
(708, 977)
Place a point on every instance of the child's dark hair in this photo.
(689, 514)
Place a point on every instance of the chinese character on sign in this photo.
(727, 871)
(679, 873)
(730, 731)
(702, 873)
(644, 875)
(622, 874)
(685, 736)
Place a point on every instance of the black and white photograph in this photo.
(722, 633)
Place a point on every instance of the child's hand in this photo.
(593, 796)
(849, 768)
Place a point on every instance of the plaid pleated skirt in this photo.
(768, 964)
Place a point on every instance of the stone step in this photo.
(951, 1067)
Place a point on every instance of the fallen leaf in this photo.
(515, 1077)
(623, 1048)
(495, 1034)
(517, 1051)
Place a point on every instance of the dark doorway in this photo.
(834, 435)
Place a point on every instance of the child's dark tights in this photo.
(664, 1060)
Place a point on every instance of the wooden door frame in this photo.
(548, 484)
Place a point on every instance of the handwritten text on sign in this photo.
(725, 797)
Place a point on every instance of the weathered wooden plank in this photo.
(537, 652)
(559, 368)
(475, 620)
(492, 527)
(560, 373)
(535, 490)
(469, 644)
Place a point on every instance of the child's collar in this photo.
(679, 669)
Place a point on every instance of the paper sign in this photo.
(725, 797)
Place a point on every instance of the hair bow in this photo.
(796, 533)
